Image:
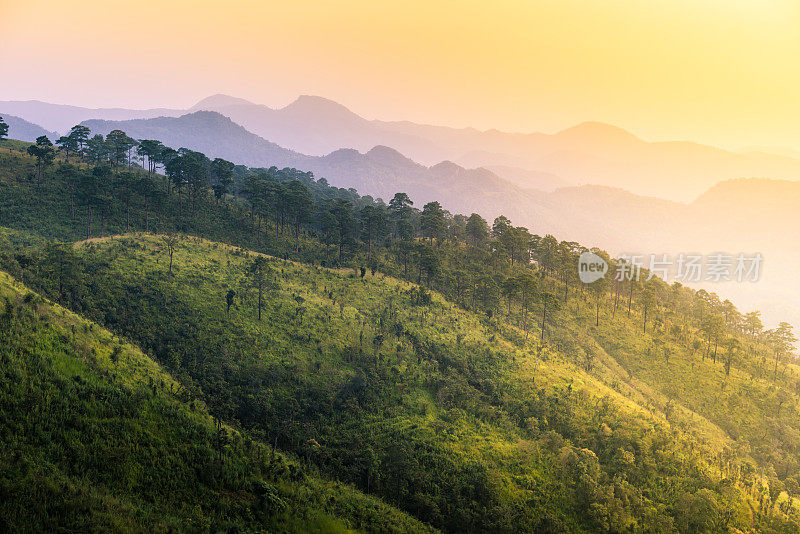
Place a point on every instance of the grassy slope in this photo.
(89, 443)
(323, 348)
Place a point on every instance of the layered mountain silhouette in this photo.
(380, 171)
(589, 153)
(60, 118)
(731, 217)
(23, 130)
(705, 203)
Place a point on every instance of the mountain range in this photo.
(589, 153)
(23, 130)
(728, 213)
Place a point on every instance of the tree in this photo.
(647, 300)
(329, 227)
(195, 167)
(500, 226)
(598, 288)
(342, 210)
(60, 266)
(176, 172)
(96, 149)
(87, 192)
(79, 134)
(509, 287)
(255, 192)
(299, 204)
(119, 144)
(170, 243)
(70, 175)
(429, 263)
(477, 229)
(67, 144)
(102, 197)
(400, 203)
(222, 176)
(732, 347)
(782, 341)
(3, 129)
(432, 221)
(229, 296)
(547, 253)
(515, 241)
(373, 220)
(712, 325)
(44, 154)
(527, 289)
(752, 323)
(145, 188)
(127, 186)
(549, 302)
(150, 149)
(400, 212)
(262, 279)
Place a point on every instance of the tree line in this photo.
(497, 269)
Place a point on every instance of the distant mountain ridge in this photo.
(23, 130)
(732, 216)
(208, 132)
(588, 153)
(381, 171)
(60, 118)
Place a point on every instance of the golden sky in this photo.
(718, 71)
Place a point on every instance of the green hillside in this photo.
(420, 403)
(96, 436)
(458, 372)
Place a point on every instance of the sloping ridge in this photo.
(97, 426)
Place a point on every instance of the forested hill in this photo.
(23, 130)
(455, 370)
(379, 171)
(207, 132)
(98, 437)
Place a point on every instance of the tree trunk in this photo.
(544, 316)
(597, 317)
(260, 302)
(644, 321)
(630, 297)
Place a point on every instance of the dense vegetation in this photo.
(489, 391)
(96, 436)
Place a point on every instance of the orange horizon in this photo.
(715, 72)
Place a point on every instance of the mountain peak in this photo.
(310, 104)
(388, 156)
(447, 167)
(219, 101)
(597, 131)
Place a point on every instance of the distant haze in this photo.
(721, 73)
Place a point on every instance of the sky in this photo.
(723, 72)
